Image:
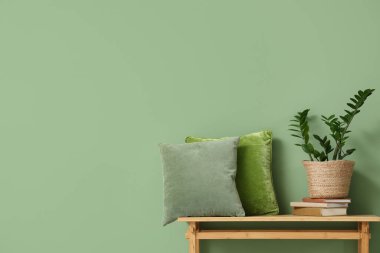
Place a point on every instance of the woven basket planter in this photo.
(330, 179)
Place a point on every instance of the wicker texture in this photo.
(329, 179)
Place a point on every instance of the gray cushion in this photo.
(199, 179)
(254, 173)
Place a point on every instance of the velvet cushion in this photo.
(254, 173)
(199, 179)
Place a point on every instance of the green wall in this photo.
(89, 88)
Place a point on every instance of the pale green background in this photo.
(89, 88)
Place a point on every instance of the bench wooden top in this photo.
(284, 218)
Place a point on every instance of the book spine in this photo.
(343, 201)
(313, 200)
(307, 211)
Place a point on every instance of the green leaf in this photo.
(368, 92)
(317, 137)
(351, 105)
(353, 100)
(344, 119)
(305, 149)
(322, 156)
(348, 112)
(348, 152)
(310, 147)
(306, 137)
(317, 155)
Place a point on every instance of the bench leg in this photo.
(191, 235)
(363, 242)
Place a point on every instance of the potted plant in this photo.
(328, 174)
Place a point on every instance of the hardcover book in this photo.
(327, 200)
(316, 211)
(315, 204)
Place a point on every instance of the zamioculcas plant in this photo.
(329, 175)
(339, 130)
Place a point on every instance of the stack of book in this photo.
(320, 207)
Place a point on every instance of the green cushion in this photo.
(199, 179)
(254, 174)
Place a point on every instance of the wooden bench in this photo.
(194, 234)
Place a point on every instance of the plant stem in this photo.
(338, 148)
(335, 151)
